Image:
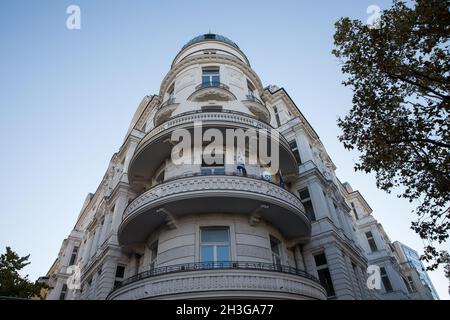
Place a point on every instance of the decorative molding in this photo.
(199, 282)
(210, 183)
(203, 59)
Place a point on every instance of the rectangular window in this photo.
(153, 254)
(385, 279)
(73, 257)
(371, 240)
(251, 89)
(211, 77)
(294, 149)
(411, 286)
(324, 274)
(214, 244)
(275, 248)
(277, 115)
(62, 296)
(120, 273)
(354, 211)
(171, 91)
(307, 203)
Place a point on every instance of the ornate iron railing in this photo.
(222, 265)
(212, 84)
(169, 101)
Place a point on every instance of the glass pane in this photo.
(205, 79)
(214, 235)
(210, 71)
(207, 253)
(274, 244)
(304, 194)
(215, 79)
(223, 253)
(320, 259)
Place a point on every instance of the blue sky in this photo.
(67, 97)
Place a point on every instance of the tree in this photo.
(399, 70)
(11, 283)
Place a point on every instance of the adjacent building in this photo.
(155, 229)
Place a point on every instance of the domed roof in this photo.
(210, 36)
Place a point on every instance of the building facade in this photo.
(155, 229)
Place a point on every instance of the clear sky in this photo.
(67, 97)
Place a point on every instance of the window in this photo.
(171, 92)
(74, 256)
(277, 115)
(354, 211)
(251, 89)
(385, 279)
(324, 274)
(211, 77)
(62, 296)
(275, 248)
(120, 273)
(371, 240)
(411, 286)
(294, 149)
(153, 254)
(214, 244)
(307, 203)
(409, 283)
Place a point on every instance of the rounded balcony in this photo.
(257, 107)
(211, 91)
(203, 194)
(213, 280)
(156, 146)
(165, 111)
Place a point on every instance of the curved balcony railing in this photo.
(168, 102)
(200, 115)
(251, 97)
(212, 84)
(222, 265)
(176, 185)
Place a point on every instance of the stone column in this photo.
(303, 146)
(95, 241)
(105, 228)
(298, 255)
(107, 277)
(131, 148)
(121, 204)
(339, 273)
(318, 200)
(87, 249)
(353, 277)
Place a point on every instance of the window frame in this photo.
(213, 75)
(214, 245)
(323, 272)
(276, 256)
(312, 214)
(371, 241)
(295, 150)
(387, 284)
